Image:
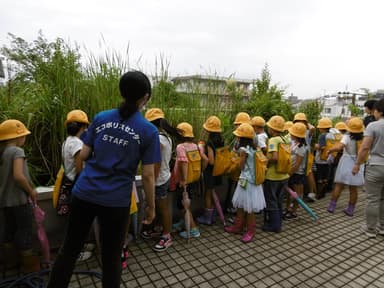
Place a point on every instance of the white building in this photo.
(212, 85)
(338, 105)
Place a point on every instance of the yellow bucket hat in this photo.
(12, 129)
(212, 124)
(186, 129)
(245, 130)
(154, 114)
(77, 116)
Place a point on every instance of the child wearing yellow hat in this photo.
(76, 123)
(212, 126)
(321, 157)
(248, 197)
(343, 176)
(186, 179)
(297, 173)
(275, 181)
(163, 175)
(15, 190)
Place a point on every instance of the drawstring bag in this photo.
(261, 162)
(39, 215)
(234, 169)
(56, 189)
(194, 166)
(283, 157)
(222, 161)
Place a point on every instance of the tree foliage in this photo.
(312, 110)
(267, 99)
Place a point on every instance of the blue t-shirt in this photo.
(117, 148)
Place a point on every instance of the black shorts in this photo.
(322, 172)
(296, 179)
(210, 181)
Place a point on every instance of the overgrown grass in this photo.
(46, 80)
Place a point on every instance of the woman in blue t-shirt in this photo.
(114, 144)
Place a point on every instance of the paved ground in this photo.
(333, 253)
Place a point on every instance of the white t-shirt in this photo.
(71, 146)
(166, 153)
(262, 139)
(350, 146)
(298, 151)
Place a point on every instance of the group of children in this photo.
(188, 165)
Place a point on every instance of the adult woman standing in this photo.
(116, 141)
(373, 142)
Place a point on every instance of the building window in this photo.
(327, 110)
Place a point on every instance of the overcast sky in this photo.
(312, 47)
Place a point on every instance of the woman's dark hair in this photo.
(216, 139)
(74, 127)
(379, 106)
(356, 136)
(164, 125)
(133, 86)
(244, 142)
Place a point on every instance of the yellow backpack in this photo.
(328, 145)
(222, 161)
(283, 157)
(309, 162)
(234, 169)
(56, 189)
(261, 162)
(194, 165)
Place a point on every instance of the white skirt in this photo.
(344, 174)
(251, 199)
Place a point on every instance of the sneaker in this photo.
(85, 255)
(369, 233)
(231, 219)
(290, 215)
(312, 197)
(178, 226)
(149, 234)
(193, 233)
(164, 243)
(89, 247)
(231, 210)
(124, 257)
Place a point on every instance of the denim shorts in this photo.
(161, 191)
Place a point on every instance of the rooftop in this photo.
(333, 253)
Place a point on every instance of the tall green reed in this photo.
(50, 79)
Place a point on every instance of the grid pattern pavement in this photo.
(333, 253)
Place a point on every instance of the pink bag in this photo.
(39, 218)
